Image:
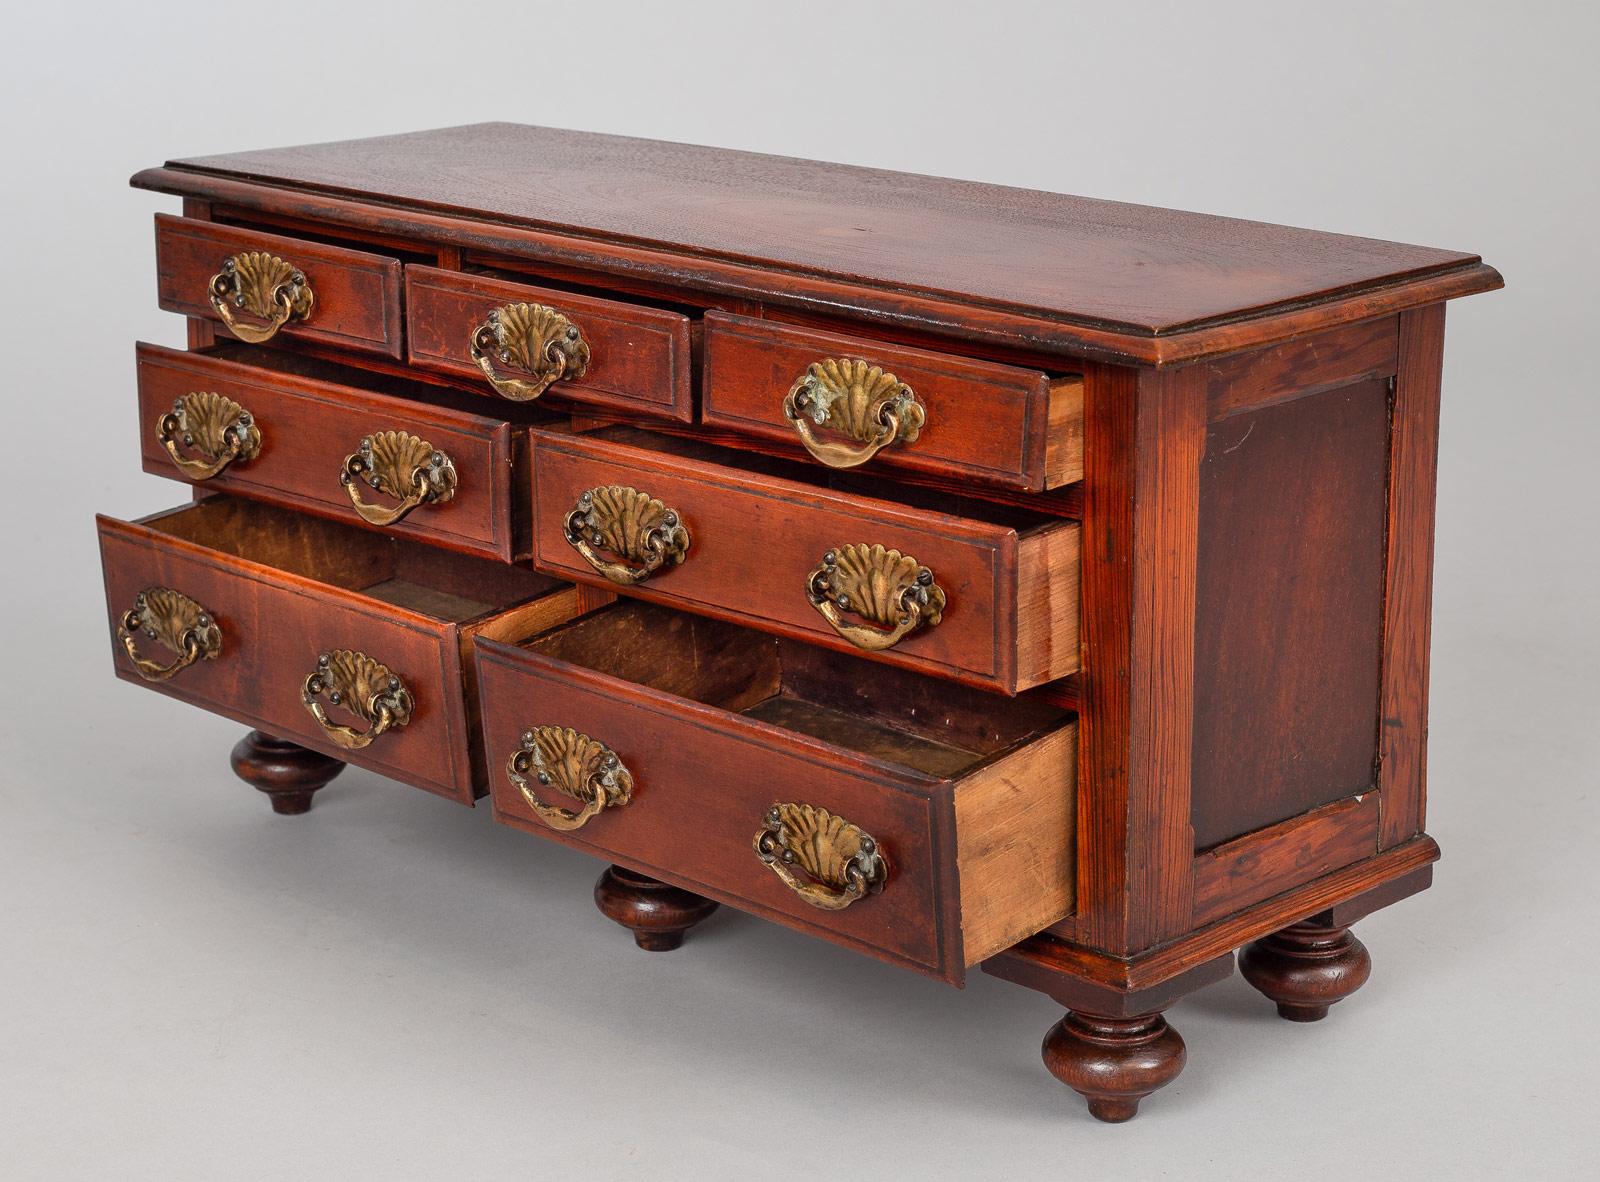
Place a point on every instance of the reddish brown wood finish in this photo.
(639, 358)
(339, 594)
(357, 294)
(1306, 968)
(1408, 601)
(1261, 864)
(1290, 588)
(673, 695)
(657, 913)
(308, 428)
(288, 773)
(756, 537)
(985, 422)
(1147, 271)
(1114, 1063)
(1144, 431)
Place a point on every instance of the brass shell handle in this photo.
(401, 465)
(175, 621)
(839, 861)
(869, 407)
(362, 686)
(892, 590)
(217, 429)
(263, 286)
(531, 337)
(578, 767)
(633, 525)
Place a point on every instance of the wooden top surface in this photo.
(1124, 269)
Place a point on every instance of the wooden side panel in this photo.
(1015, 842)
(357, 294)
(985, 421)
(1292, 516)
(309, 427)
(1408, 601)
(639, 357)
(1269, 861)
(1144, 432)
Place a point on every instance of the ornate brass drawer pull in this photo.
(264, 286)
(630, 524)
(173, 620)
(531, 337)
(871, 408)
(217, 428)
(578, 767)
(886, 587)
(362, 686)
(841, 863)
(402, 466)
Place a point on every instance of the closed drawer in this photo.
(316, 443)
(524, 342)
(968, 799)
(263, 593)
(246, 279)
(999, 607)
(851, 401)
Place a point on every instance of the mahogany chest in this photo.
(973, 577)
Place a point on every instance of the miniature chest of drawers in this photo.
(969, 576)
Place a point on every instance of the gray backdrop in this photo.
(192, 988)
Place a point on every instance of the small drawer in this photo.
(260, 285)
(989, 597)
(233, 605)
(518, 341)
(698, 752)
(297, 432)
(850, 401)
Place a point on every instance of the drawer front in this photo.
(354, 301)
(962, 419)
(273, 627)
(305, 432)
(638, 359)
(756, 543)
(675, 829)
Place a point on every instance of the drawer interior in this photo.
(449, 587)
(924, 499)
(926, 725)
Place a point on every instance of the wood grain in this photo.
(1408, 598)
(985, 422)
(309, 426)
(357, 294)
(1291, 508)
(1268, 861)
(639, 357)
(1010, 620)
(285, 588)
(1149, 270)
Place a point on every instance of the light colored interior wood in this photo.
(1063, 448)
(1047, 605)
(1015, 844)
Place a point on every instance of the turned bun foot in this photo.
(288, 773)
(1306, 968)
(656, 913)
(1113, 1063)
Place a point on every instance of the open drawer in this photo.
(924, 822)
(337, 638)
(980, 593)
